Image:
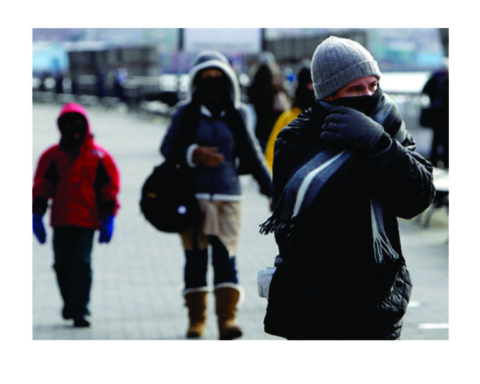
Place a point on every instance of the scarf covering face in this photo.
(314, 178)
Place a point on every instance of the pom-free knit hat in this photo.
(337, 62)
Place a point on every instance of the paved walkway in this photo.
(137, 282)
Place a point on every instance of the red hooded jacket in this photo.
(83, 185)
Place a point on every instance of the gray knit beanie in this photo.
(337, 62)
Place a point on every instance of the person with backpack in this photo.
(210, 133)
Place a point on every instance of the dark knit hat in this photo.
(337, 62)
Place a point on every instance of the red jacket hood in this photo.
(77, 108)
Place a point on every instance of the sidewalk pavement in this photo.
(137, 278)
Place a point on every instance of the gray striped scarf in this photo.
(306, 184)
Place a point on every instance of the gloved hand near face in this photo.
(351, 128)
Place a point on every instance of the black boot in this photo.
(80, 322)
(66, 313)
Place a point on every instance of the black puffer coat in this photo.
(329, 285)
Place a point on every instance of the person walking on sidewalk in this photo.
(343, 172)
(210, 133)
(303, 99)
(437, 89)
(82, 180)
(267, 95)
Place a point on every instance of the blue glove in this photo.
(106, 230)
(351, 128)
(38, 228)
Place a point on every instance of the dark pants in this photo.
(196, 264)
(72, 252)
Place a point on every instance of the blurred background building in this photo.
(77, 56)
(145, 69)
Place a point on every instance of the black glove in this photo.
(351, 128)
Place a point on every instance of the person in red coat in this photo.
(82, 180)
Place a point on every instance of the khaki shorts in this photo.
(218, 218)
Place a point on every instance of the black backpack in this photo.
(167, 200)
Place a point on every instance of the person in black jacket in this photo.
(267, 96)
(210, 132)
(437, 90)
(343, 172)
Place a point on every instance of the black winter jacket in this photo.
(329, 286)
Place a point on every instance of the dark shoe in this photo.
(80, 322)
(233, 333)
(66, 314)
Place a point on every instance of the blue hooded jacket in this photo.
(241, 151)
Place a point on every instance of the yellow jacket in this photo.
(284, 119)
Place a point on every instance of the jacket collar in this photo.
(205, 111)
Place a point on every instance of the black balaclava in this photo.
(364, 104)
(214, 92)
(73, 127)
